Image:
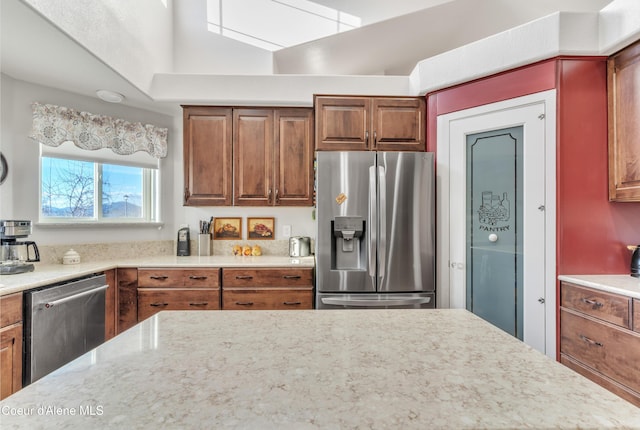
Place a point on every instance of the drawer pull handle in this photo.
(199, 304)
(155, 305)
(291, 303)
(244, 303)
(594, 303)
(244, 277)
(197, 278)
(590, 341)
(291, 276)
(159, 277)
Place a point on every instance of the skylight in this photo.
(276, 24)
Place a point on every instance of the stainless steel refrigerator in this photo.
(375, 246)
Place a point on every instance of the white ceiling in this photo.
(402, 33)
(393, 46)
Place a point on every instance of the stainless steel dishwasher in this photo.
(62, 322)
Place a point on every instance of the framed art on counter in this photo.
(260, 228)
(227, 228)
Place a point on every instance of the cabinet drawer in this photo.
(601, 380)
(612, 351)
(159, 278)
(636, 315)
(253, 278)
(153, 300)
(10, 309)
(176, 278)
(206, 278)
(609, 307)
(267, 299)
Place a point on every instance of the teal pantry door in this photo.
(494, 287)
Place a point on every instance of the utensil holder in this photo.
(204, 244)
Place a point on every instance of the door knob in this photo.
(493, 237)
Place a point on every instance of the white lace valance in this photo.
(54, 125)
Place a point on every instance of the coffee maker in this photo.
(16, 257)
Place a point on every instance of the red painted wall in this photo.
(592, 233)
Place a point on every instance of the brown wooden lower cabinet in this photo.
(596, 339)
(10, 344)
(146, 291)
(267, 288)
(127, 298)
(177, 289)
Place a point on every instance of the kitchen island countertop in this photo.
(45, 274)
(436, 369)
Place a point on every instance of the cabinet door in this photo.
(398, 124)
(127, 280)
(342, 123)
(253, 157)
(10, 359)
(207, 156)
(624, 127)
(294, 157)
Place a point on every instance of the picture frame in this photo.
(262, 228)
(227, 228)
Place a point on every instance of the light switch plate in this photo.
(286, 230)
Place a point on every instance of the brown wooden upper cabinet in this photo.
(270, 157)
(273, 157)
(362, 123)
(207, 156)
(624, 126)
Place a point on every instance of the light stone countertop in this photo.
(331, 369)
(45, 274)
(620, 284)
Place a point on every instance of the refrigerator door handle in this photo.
(382, 247)
(400, 301)
(372, 242)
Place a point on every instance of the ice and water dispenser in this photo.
(346, 249)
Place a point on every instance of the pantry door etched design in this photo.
(496, 216)
(494, 227)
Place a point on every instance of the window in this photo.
(83, 186)
(276, 24)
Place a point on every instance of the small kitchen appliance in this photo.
(15, 256)
(299, 246)
(635, 263)
(184, 241)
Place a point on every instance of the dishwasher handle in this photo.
(75, 296)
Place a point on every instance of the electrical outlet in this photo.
(286, 230)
